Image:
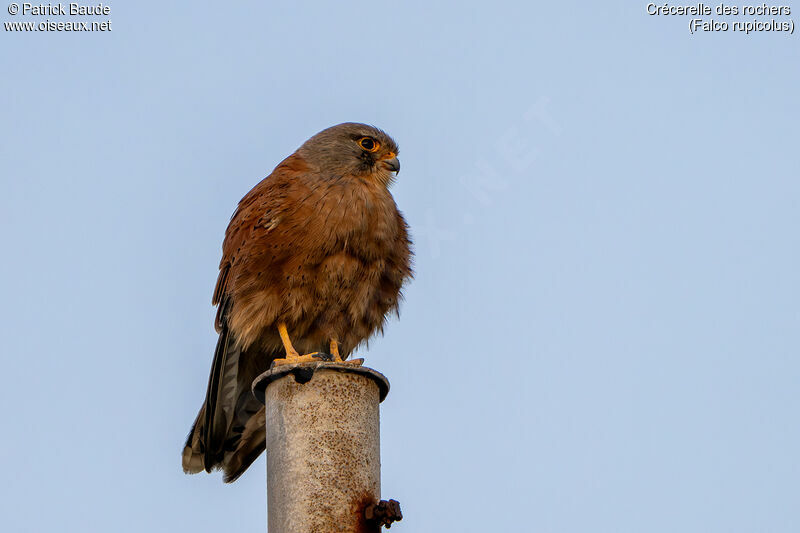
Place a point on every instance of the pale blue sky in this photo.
(604, 330)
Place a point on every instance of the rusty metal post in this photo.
(323, 446)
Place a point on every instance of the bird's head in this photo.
(353, 149)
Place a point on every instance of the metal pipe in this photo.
(323, 446)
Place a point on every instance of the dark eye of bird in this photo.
(368, 144)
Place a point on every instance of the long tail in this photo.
(220, 398)
(228, 433)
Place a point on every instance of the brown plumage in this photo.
(319, 246)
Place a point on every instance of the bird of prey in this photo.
(314, 260)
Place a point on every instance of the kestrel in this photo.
(314, 260)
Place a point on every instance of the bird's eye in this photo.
(369, 144)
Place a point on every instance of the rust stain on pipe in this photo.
(363, 525)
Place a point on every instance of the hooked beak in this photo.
(392, 164)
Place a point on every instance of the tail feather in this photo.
(250, 446)
(192, 458)
(220, 398)
(228, 433)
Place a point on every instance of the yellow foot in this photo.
(293, 359)
(338, 358)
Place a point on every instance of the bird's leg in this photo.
(338, 358)
(292, 357)
(335, 351)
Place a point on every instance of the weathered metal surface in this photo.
(323, 446)
(303, 373)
